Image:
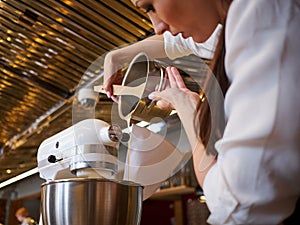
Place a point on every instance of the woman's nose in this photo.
(159, 26)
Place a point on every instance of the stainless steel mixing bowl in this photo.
(87, 201)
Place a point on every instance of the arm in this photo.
(114, 60)
(185, 103)
(157, 46)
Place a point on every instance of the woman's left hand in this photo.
(185, 102)
(176, 95)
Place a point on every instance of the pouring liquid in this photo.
(127, 118)
(133, 95)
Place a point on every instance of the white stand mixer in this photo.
(79, 164)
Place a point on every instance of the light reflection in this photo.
(52, 51)
(21, 58)
(25, 73)
(22, 35)
(68, 2)
(33, 72)
(50, 32)
(17, 46)
(13, 51)
(202, 199)
(47, 55)
(59, 20)
(15, 65)
(38, 40)
(19, 177)
(64, 42)
(32, 50)
(28, 42)
(19, 40)
(5, 59)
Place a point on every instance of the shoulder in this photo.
(261, 13)
(259, 21)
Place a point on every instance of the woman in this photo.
(255, 177)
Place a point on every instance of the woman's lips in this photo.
(175, 33)
(184, 35)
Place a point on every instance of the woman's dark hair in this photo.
(214, 108)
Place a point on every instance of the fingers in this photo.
(178, 78)
(162, 99)
(172, 79)
(175, 78)
(115, 98)
(165, 98)
(115, 78)
(164, 105)
(112, 72)
(108, 89)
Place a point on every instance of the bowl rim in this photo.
(86, 179)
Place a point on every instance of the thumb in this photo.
(161, 102)
(158, 96)
(154, 96)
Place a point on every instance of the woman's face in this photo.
(192, 18)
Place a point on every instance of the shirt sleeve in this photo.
(177, 46)
(256, 179)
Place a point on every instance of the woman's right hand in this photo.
(114, 61)
(112, 73)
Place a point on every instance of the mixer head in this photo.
(86, 149)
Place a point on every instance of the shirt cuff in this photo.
(219, 198)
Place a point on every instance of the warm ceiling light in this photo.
(68, 2)
(8, 171)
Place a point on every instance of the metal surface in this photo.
(90, 201)
(46, 50)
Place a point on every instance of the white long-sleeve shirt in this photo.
(256, 179)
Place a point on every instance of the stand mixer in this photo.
(79, 164)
